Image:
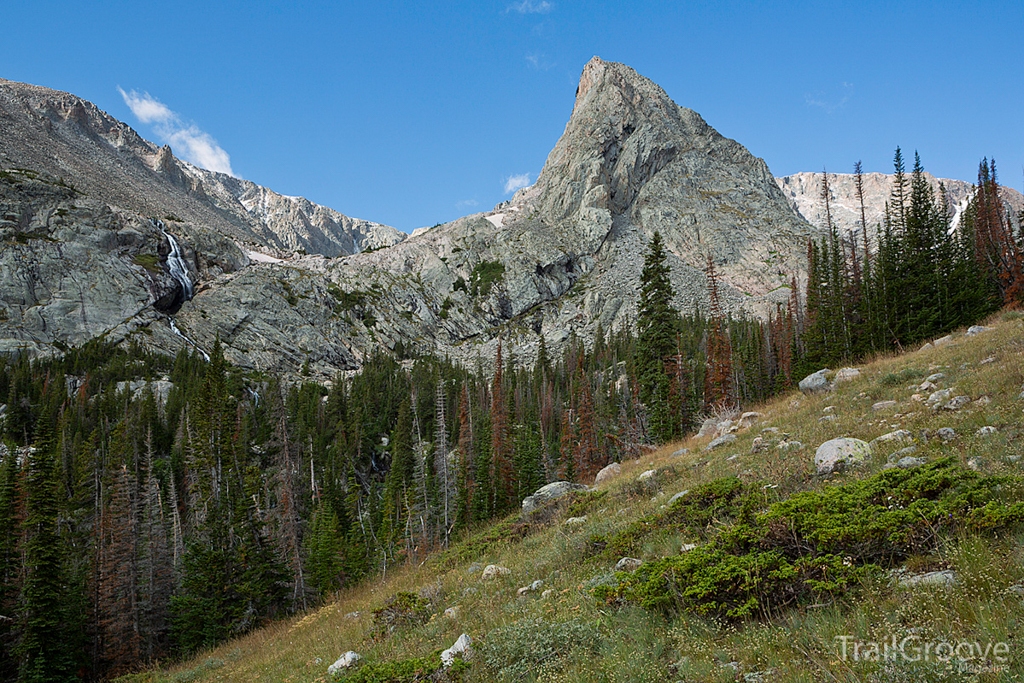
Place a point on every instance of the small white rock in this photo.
(987, 430)
(628, 564)
(649, 474)
(346, 661)
(460, 648)
(492, 570)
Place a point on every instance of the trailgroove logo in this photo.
(916, 649)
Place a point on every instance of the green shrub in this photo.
(413, 670)
(819, 543)
(904, 376)
(699, 513)
(528, 647)
(150, 262)
(400, 611)
(485, 274)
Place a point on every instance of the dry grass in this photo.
(639, 646)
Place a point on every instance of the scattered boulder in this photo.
(793, 445)
(628, 564)
(990, 359)
(548, 592)
(493, 570)
(462, 649)
(842, 452)
(940, 396)
(940, 579)
(687, 547)
(575, 521)
(649, 475)
(770, 430)
(942, 341)
(827, 418)
(987, 430)
(909, 461)
(676, 454)
(982, 401)
(936, 377)
(678, 496)
(902, 453)
(720, 441)
(758, 445)
(898, 435)
(453, 612)
(474, 568)
(957, 402)
(816, 383)
(709, 427)
(549, 492)
(829, 410)
(926, 346)
(532, 588)
(976, 329)
(975, 464)
(884, 405)
(748, 419)
(608, 472)
(927, 386)
(846, 375)
(353, 615)
(945, 433)
(346, 661)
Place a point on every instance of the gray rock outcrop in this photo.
(548, 493)
(816, 383)
(838, 453)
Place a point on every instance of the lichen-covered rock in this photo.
(842, 452)
(846, 375)
(607, 473)
(550, 492)
(493, 571)
(816, 382)
(628, 564)
(720, 441)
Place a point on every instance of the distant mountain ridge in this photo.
(803, 191)
(67, 137)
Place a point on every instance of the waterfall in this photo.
(175, 330)
(175, 263)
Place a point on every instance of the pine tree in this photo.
(718, 382)
(501, 446)
(656, 326)
(42, 649)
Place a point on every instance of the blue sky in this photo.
(416, 113)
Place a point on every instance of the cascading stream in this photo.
(179, 271)
(175, 262)
(175, 330)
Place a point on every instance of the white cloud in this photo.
(517, 182)
(832, 102)
(187, 140)
(530, 7)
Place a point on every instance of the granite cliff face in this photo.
(561, 258)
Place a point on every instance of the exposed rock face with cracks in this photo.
(561, 258)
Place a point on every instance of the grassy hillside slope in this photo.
(787, 566)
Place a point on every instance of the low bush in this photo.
(400, 611)
(528, 647)
(413, 670)
(818, 544)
